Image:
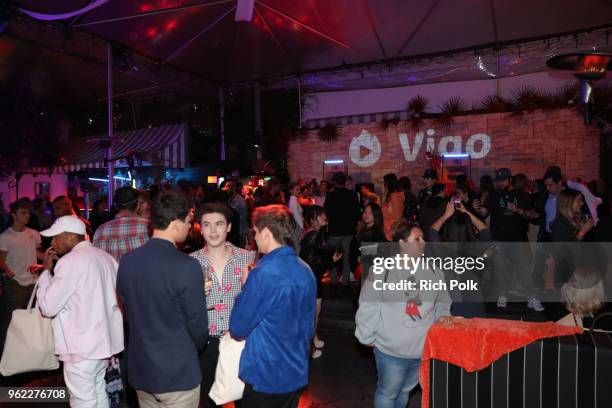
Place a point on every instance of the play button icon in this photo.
(365, 149)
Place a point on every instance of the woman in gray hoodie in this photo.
(395, 320)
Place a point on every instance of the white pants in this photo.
(85, 382)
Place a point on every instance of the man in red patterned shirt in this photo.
(225, 268)
(127, 231)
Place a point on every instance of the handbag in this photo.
(29, 344)
(114, 383)
(228, 387)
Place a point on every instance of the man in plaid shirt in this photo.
(127, 231)
(225, 268)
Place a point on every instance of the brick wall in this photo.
(526, 144)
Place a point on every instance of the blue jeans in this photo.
(396, 378)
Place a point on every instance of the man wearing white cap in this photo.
(81, 299)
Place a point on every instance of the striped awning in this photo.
(156, 146)
(357, 119)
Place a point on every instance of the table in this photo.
(491, 363)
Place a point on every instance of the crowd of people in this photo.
(159, 279)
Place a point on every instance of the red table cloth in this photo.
(474, 344)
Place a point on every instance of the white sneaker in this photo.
(535, 304)
(502, 301)
(318, 343)
(317, 353)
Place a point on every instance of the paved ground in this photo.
(343, 377)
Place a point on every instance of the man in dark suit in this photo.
(162, 291)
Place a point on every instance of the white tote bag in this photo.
(228, 387)
(29, 344)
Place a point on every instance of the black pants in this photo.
(255, 399)
(129, 393)
(208, 364)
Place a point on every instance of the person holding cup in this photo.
(569, 225)
(225, 268)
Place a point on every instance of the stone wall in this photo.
(526, 144)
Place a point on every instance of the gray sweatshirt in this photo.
(396, 322)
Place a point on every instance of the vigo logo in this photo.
(365, 149)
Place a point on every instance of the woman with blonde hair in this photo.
(568, 226)
(583, 296)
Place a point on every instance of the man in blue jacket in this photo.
(162, 291)
(275, 313)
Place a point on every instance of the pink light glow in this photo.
(145, 7)
(151, 32)
(170, 25)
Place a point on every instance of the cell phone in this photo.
(368, 249)
(457, 202)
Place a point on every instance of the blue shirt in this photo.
(275, 313)
(551, 211)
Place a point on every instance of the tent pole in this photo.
(299, 86)
(109, 148)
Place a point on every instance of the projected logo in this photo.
(365, 149)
